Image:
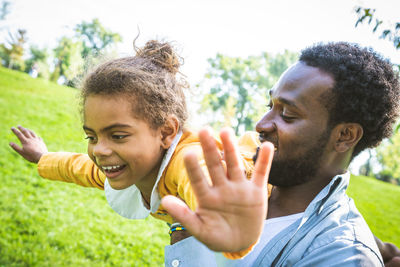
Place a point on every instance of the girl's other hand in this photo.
(33, 146)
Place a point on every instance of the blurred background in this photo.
(234, 51)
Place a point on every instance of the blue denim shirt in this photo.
(331, 233)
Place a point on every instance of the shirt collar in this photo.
(155, 197)
(327, 196)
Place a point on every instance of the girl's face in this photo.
(126, 149)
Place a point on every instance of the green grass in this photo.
(379, 203)
(45, 223)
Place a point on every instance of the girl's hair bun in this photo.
(161, 54)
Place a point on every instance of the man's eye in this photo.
(287, 118)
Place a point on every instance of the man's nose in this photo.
(266, 124)
(101, 149)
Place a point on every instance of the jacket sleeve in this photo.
(72, 168)
(341, 252)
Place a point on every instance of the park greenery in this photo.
(388, 153)
(47, 223)
(389, 31)
(235, 88)
(66, 60)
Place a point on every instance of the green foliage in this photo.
(388, 155)
(95, 37)
(378, 202)
(69, 62)
(13, 51)
(45, 223)
(4, 9)
(390, 32)
(38, 59)
(91, 39)
(70, 54)
(276, 65)
(238, 87)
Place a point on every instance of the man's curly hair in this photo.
(366, 89)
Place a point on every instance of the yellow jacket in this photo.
(80, 169)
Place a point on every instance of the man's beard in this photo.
(292, 172)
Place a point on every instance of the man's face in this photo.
(297, 125)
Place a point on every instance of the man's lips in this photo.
(262, 140)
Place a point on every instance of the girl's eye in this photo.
(91, 139)
(118, 137)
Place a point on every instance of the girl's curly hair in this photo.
(147, 79)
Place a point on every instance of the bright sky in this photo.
(204, 28)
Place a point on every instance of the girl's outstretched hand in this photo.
(33, 146)
(231, 212)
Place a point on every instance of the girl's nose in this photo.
(100, 149)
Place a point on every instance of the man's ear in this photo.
(347, 136)
(169, 131)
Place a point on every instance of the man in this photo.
(336, 101)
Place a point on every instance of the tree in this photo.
(95, 37)
(13, 51)
(38, 58)
(390, 32)
(388, 155)
(68, 60)
(237, 96)
(4, 9)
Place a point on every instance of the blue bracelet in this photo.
(176, 228)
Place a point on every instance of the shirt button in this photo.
(175, 263)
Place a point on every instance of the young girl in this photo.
(134, 114)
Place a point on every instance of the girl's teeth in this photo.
(109, 168)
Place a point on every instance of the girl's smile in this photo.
(112, 171)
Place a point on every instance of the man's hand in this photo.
(33, 146)
(231, 212)
(390, 253)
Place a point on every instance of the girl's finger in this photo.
(19, 135)
(263, 164)
(32, 133)
(212, 157)
(17, 148)
(180, 212)
(24, 131)
(197, 178)
(234, 165)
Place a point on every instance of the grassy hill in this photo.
(44, 223)
(379, 203)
